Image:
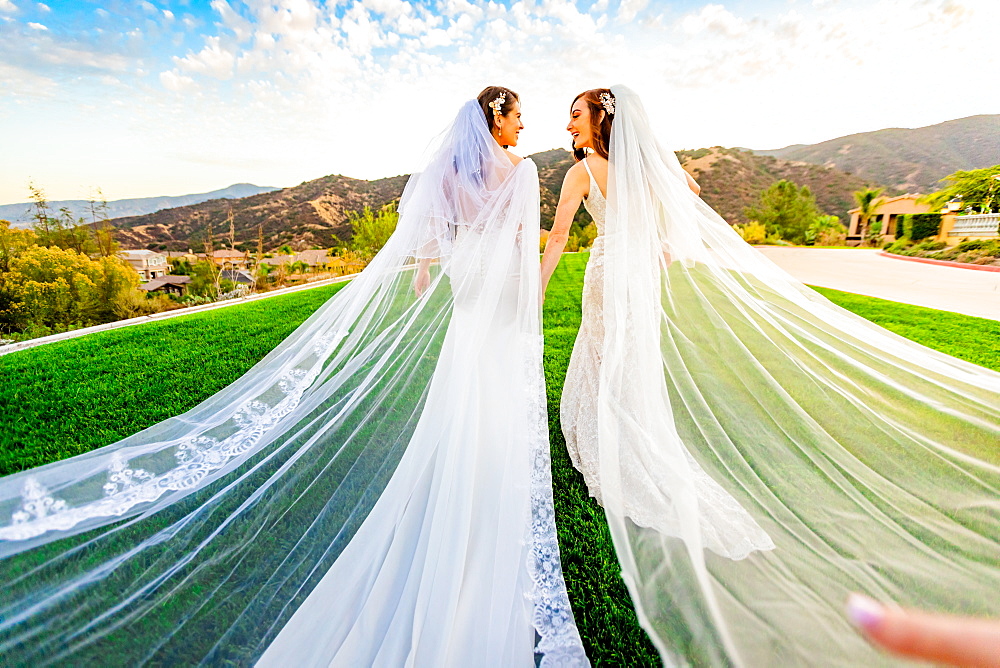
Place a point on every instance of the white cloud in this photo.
(37, 26)
(42, 7)
(434, 38)
(629, 9)
(168, 15)
(238, 25)
(176, 82)
(321, 83)
(213, 60)
(713, 18)
(7, 7)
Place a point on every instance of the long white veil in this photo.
(198, 539)
(872, 463)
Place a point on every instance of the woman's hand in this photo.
(947, 639)
(423, 278)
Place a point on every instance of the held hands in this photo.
(946, 639)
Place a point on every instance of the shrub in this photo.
(752, 232)
(370, 230)
(899, 245)
(923, 225)
(902, 225)
(929, 245)
(978, 244)
(832, 237)
(826, 231)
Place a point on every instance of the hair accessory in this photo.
(608, 102)
(497, 104)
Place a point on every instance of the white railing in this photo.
(980, 225)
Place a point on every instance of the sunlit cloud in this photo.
(190, 97)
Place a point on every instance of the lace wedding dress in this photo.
(714, 402)
(726, 528)
(374, 492)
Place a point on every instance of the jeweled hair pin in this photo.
(497, 104)
(608, 102)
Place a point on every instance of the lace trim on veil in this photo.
(196, 456)
(559, 642)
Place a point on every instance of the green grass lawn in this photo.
(65, 398)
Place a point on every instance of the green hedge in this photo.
(902, 223)
(923, 225)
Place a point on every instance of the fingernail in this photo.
(864, 613)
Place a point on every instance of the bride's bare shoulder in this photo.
(597, 163)
(515, 159)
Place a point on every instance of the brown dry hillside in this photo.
(315, 212)
(732, 179)
(311, 214)
(907, 159)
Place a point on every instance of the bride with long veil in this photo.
(375, 491)
(760, 452)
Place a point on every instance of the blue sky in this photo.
(171, 97)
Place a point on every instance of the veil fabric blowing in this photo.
(871, 462)
(375, 491)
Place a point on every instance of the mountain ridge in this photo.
(316, 213)
(19, 213)
(906, 159)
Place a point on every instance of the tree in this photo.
(371, 230)
(74, 234)
(115, 284)
(868, 203)
(785, 210)
(260, 256)
(204, 280)
(977, 188)
(214, 273)
(104, 232)
(43, 221)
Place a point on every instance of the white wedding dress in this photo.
(374, 492)
(726, 528)
(718, 407)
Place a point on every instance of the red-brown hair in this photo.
(491, 93)
(600, 128)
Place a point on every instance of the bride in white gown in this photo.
(760, 453)
(376, 491)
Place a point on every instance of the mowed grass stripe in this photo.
(66, 398)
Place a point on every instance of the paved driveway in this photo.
(865, 272)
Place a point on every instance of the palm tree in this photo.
(868, 204)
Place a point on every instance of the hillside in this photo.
(907, 160)
(315, 213)
(19, 214)
(732, 179)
